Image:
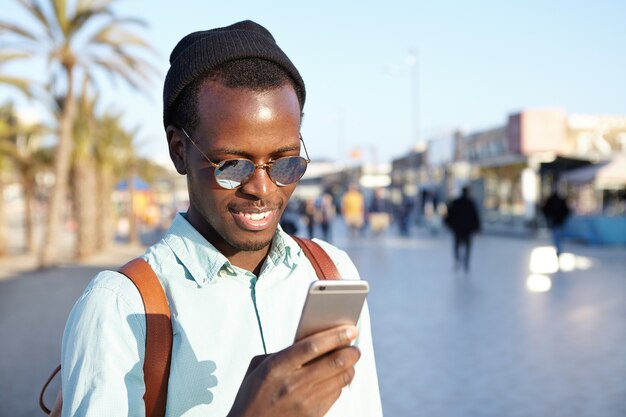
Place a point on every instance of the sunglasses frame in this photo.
(266, 166)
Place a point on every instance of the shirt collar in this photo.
(205, 263)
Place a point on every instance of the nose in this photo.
(259, 184)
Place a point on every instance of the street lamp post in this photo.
(411, 61)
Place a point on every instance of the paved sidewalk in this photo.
(488, 343)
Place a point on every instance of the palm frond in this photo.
(7, 55)
(60, 15)
(34, 8)
(115, 67)
(8, 149)
(78, 21)
(132, 21)
(143, 68)
(6, 27)
(114, 34)
(21, 84)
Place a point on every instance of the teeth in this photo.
(256, 216)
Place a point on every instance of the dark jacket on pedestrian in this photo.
(555, 210)
(462, 216)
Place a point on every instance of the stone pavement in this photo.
(488, 343)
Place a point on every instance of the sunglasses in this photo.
(232, 173)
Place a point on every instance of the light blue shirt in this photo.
(222, 316)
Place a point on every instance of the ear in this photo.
(176, 144)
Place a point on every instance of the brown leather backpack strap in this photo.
(324, 266)
(42, 403)
(156, 366)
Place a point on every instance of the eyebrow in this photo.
(238, 152)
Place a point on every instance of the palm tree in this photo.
(20, 146)
(83, 179)
(114, 155)
(4, 246)
(22, 84)
(77, 38)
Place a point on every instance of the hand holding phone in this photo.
(315, 377)
(331, 303)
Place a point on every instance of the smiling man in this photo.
(234, 281)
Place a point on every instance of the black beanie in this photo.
(199, 52)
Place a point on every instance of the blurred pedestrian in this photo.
(325, 214)
(433, 211)
(378, 212)
(462, 218)
(404, 214)
(556, 212)
(307, 212)
(353, 209)
(290, 217)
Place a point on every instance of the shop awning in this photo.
(607, 174)
(139, 184)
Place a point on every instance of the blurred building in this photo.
(512, 167)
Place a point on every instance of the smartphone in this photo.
(331, 303)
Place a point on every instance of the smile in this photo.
(254, 216)
(254, 221)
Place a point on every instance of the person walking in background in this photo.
(378, 212)
(556, 212)
(290, 217)
(308, 216)
(462, 218)
(325, 213)
(353, 209)
(404, 214)
(433, 214)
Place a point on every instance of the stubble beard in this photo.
(244, 245)
(250, 245)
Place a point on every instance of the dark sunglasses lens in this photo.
(232, 172)
(288, 170)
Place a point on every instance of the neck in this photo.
(250, 261)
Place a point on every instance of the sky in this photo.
(384, 76)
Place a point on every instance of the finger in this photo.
(332, 364)
(332, 377)
(334, 369)
(319, 344)
(324, 393)
(322, 398)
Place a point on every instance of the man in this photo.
(353, 209)
(378, 212)
(462, 218)
(235, 282)
(325, 211)
(556, 212)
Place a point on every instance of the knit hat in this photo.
(199, 52)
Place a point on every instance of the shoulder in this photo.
(341, 259)
(111, 290)
(111, 305)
